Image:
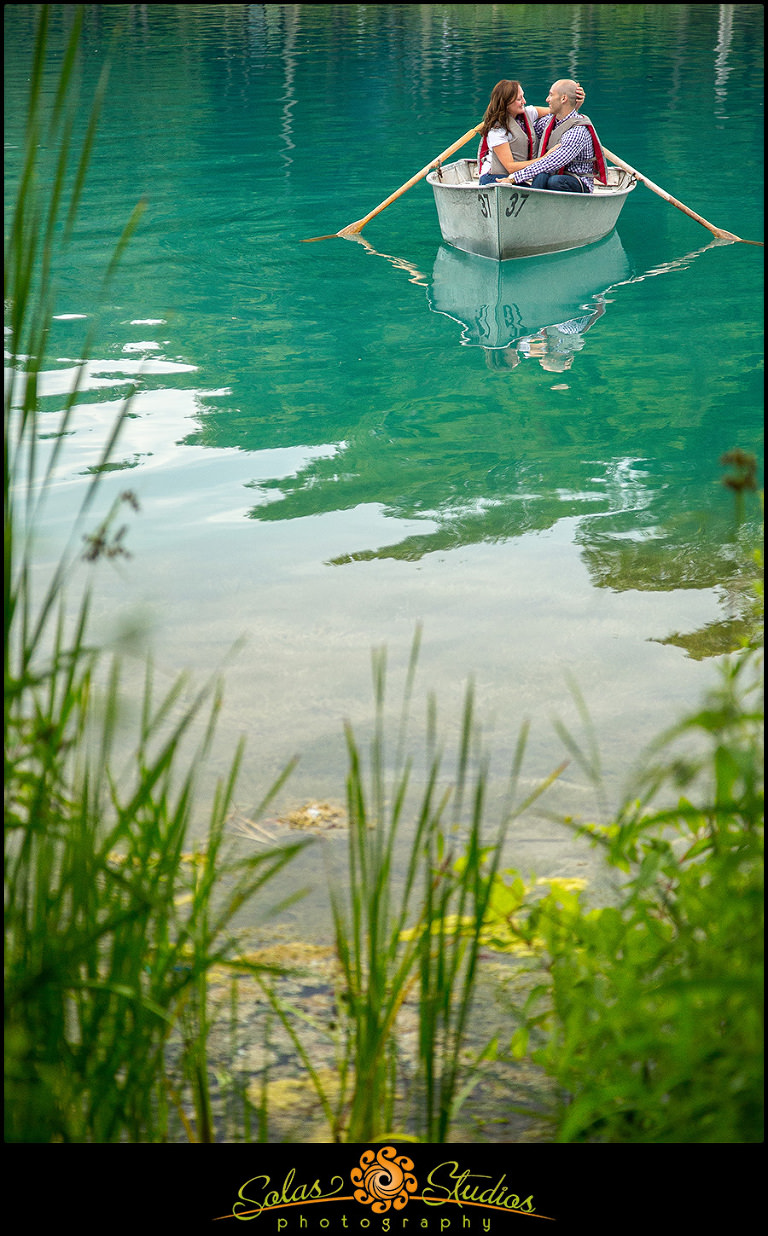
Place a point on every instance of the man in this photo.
(568, 150)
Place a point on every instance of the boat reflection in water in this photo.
(537, 308)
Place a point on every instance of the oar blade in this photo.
(352, 229)
(346, 232)
(719, 232)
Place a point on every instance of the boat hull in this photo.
(512, 221)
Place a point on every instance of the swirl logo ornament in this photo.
(384, 1179)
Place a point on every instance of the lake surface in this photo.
(334, 442)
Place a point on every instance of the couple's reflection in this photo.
(554, 347)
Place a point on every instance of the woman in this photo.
(508, 139)
(507, 134)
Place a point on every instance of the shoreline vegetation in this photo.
(138, 1011)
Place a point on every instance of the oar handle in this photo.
(356, 227)
(717, 231)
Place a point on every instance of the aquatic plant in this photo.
(386, 949)
(649, 1012)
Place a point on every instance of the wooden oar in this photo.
(353, 228)
(716, 231)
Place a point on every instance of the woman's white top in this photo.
(497, 136)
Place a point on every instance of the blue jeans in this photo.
(488, 178)
(563, 183)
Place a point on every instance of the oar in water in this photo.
(716, 231)
(353, 228)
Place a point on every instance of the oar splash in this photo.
(719, 232)
(352, 229)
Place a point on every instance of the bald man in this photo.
(568, 152)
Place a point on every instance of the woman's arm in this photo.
(580, 97)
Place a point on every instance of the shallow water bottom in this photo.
(510, 1100)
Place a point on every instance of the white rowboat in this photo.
(512, 221)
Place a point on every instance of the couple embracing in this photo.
(553, 147)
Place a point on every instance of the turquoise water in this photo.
(333, 442)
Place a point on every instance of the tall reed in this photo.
(110, 925)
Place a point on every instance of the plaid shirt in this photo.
(576, 155)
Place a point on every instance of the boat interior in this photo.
(463, 174)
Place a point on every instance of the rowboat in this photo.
(512, 221)
(497, 303)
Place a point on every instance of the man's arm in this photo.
(521, 163)
(575, 146)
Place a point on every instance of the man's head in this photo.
(562, 97)
(556, 362)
